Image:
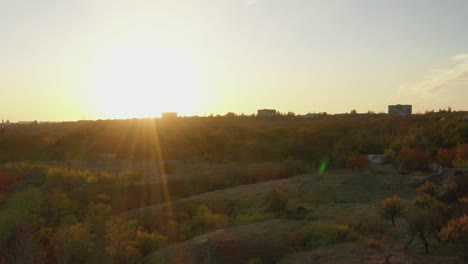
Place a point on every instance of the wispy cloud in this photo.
(440, 80)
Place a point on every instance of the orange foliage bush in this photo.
(461, 152)
(456, 231)
(445, 157)
(414, 159)
(461, 156)
(356, 162)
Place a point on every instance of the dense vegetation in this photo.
(60, 213)
(242, 139)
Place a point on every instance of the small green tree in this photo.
(391, 208)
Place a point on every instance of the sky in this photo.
(99, 59)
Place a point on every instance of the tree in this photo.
(456, 232)
(392, 207)
(149, 242)
(121, 235)
(445, 157)
(437, 213)
(414, 159)
(128, 242)
(420, 227)
(97, 215)
(428, 188)
(73, 244)
(461, 156)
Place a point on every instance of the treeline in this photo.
(240, 139)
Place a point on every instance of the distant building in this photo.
(400, 110)
(309, 115)
(169, 115)
(266, 112)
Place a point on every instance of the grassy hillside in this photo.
(330, 218)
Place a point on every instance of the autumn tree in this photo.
(122, 246)
(149, 242)
(445, 157)
(461, 156)
(73, 244)
(437, 213)
(413, 159)
(128, 242)
(392, 207)
(456, 232)
(428, 188)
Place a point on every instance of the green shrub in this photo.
(320, 234)
(204, 220)
(249, 218)
(149, 242)
(324, 234)
(367, 225)
(276, 200)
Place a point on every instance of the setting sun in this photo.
(137, 79)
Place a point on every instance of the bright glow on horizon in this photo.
(141, 80)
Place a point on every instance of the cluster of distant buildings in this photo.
(393, 110)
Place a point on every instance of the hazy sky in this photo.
(67, 59)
